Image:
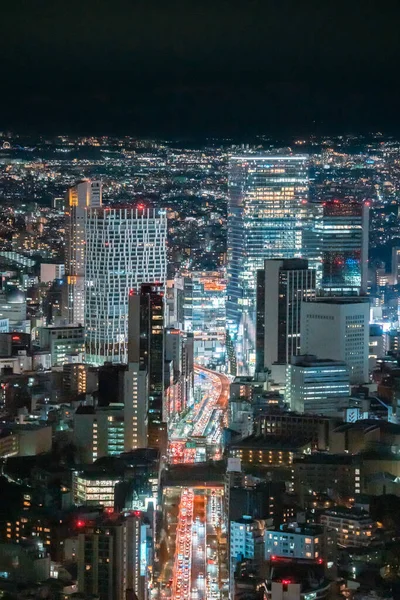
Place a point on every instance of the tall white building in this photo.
(79, 198)
(338, 329)
(125, 247)
(269, 216)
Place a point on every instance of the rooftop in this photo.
(345, 512)
(342, 300)
(270, 443)
(321, 458)
(303, 529)
(367, 425)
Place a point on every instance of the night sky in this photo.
(221, 67)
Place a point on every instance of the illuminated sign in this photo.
(143, 549)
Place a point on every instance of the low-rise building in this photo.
(313, 542)
(315, 385)
(323, 473)
(94, 489)
(280, 422)
(353, 526)
(62, 342)
(99, 432)
(246, 542)
(268, 451)
(25, 439)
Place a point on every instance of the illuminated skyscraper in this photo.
(269, 216)
(201, 309)
(125, 247)
(344, 235)
(78, 199)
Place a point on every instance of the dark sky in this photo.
(199, 67)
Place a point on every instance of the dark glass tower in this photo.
(146, 347)
(345, 247)
(281, 288)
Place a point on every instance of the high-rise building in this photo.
(146, 349)
(316, 385)
(269, 216)
(200, 308)
(79, 198)
(136, 406)
(282, 286)
(344, 242)
(338, 329)
(179, 356)
(125, 247)
(113, 557)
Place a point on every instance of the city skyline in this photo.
(140, 462)
(200, 300)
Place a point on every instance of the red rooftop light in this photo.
(80, 523)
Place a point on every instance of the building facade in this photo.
(79, 198)
(269, 216)
(62, 342)
(281, 288)
(344, 241)
(321, 473)
(338, 329)
(113, 557)
(316, 385)
(296, 541)
(200, 308)
(246, 540)
(125, 247)
(147, 351)
(354, 527)
(99, 432)
(94, 489)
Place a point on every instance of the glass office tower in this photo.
(269, 216)
(345, 226)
